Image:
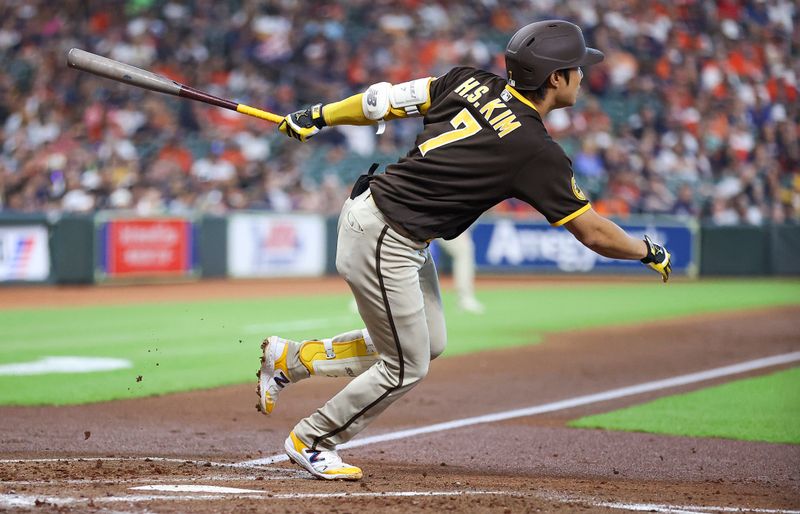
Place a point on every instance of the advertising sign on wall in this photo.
(24, 253)
(146, 247)
(507, 245)
(272, 245)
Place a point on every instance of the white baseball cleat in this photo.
(324, 464)
(273, 375)
(471, 304)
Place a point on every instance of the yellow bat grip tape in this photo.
(258, 113)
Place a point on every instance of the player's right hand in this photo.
(303, 124)
(658, 259)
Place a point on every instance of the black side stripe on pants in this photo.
(396, 344)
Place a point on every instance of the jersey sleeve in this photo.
(548, 184)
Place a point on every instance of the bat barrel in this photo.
(121, 72)
(114, 70)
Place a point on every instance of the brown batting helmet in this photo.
(539, 49)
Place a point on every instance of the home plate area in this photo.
(108, 484)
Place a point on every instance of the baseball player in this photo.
(462, 251)
(483, 141)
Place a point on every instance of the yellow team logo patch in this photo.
(577, 191)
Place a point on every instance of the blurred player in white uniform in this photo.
(462, 252)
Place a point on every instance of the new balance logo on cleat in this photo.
(324, 464)
(282, 380)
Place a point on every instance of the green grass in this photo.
(764, 408)
(202, 344)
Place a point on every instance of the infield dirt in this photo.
(524, 464)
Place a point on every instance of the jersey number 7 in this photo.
(464, 125)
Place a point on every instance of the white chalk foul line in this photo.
(112, 459)
(194, 488)
(593, 501)
(686, 509)
(18, 500)
(281, 475)
(28, 500)
(612, 394)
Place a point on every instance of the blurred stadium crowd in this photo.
(694, 112)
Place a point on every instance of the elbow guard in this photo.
(410, 98)
(375, 102)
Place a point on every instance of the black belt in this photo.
(362, 182)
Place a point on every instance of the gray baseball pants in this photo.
(394, 281)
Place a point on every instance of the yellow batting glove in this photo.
(303, 125)
(658, 259)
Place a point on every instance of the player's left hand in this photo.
(658, 259)
(303, 124)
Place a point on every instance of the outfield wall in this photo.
(119, 247)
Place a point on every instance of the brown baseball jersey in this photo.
(482, 142)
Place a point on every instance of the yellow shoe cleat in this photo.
(324, 464)
(273, 375)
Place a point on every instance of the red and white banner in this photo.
(141, 247)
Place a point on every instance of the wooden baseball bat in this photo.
(121, 72)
